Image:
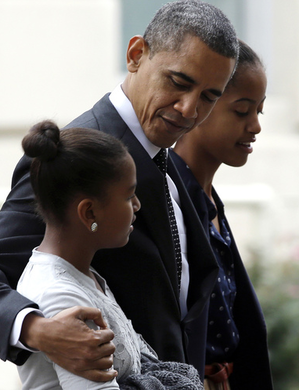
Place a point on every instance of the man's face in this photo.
(175, 91)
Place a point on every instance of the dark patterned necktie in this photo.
(161, 160)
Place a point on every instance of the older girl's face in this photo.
(228, 134)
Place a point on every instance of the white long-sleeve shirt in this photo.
(55, 285)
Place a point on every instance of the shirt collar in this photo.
(126, 111)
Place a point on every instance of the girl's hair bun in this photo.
(42, 141)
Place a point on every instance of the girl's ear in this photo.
(136, 49)
(87, 212)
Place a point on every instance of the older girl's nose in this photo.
(137, 204)
(255, 126)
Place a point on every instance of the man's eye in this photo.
(210, 100)
(178, 85)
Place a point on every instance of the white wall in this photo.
(58, 57)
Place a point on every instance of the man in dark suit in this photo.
(176, 73)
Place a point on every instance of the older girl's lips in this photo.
(246, 146)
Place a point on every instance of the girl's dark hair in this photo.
(247, 58)
(70, 162)
(247, 55)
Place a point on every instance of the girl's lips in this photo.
(131, 226)
(246, 146)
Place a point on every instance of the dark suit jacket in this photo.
(251, 359)
(142, 275)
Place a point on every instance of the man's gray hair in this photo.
(173, 21)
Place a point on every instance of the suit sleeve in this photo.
(20, 231)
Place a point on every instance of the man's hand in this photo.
(70, 343)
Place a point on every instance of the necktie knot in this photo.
(161, 160)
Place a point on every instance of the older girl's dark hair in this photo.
(70, 162)
(247, 58)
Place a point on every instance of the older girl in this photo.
(236, 340)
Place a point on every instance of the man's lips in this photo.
(176, 126)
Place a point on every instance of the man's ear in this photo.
(136, 49)
(87, 212)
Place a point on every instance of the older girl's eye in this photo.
(241, 114)
(132, 196)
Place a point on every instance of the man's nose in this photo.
(187, 106)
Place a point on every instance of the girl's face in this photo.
(227, 135)
(117, 213)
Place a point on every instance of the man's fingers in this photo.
(101, 354)
(91, 313)
(85, 369)
(79, 349)
(107, 348)
(100, 376)
(105, 336)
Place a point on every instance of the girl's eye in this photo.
(241, 114)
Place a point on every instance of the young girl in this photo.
(236, 340)
(84, 182)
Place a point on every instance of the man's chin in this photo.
(164, 140)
